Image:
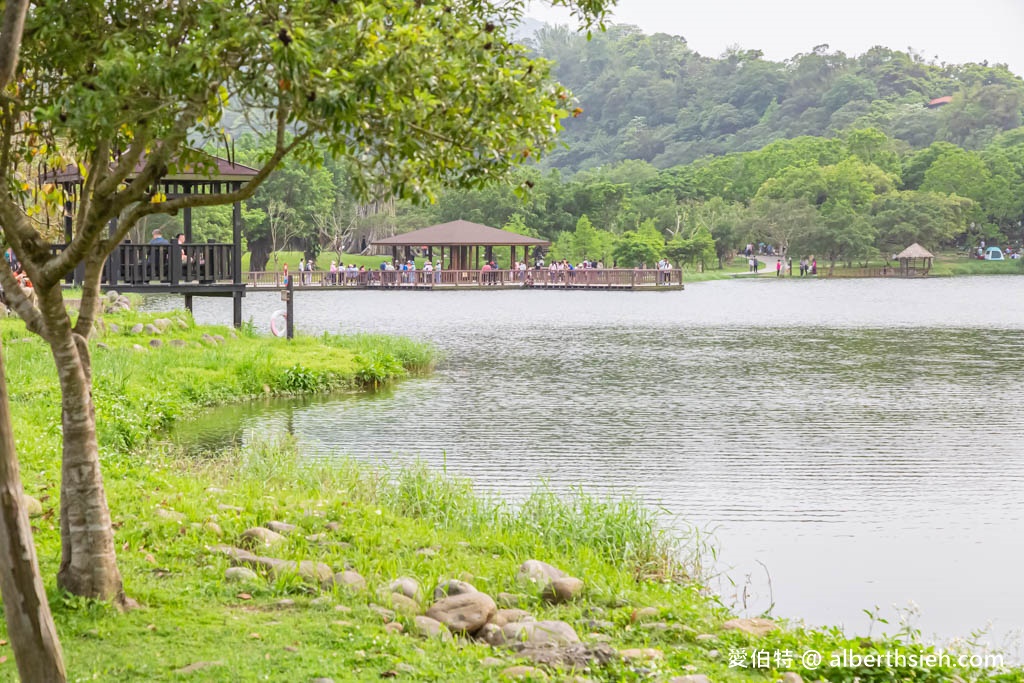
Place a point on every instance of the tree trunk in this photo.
(259, 254)
(88, 563)
(29, 623)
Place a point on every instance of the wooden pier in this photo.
(626, 279)
(212, 269)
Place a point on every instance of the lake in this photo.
(850, 443)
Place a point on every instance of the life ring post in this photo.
(290, 309)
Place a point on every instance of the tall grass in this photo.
(415, 356)
(623, 531)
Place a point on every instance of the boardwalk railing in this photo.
(876, 271)
(168, 264)
(605, 278)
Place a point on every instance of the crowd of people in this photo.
(783, 265)
(407, 272)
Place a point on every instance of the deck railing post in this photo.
(174, 262)
(290, 310)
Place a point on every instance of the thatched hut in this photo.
(915, 261)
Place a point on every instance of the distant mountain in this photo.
(527, 29)
(651, 97)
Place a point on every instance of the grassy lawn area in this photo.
(954, 264)
(323, 262)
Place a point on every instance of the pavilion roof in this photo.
(223, 171)
(915, 250)
(460, 234)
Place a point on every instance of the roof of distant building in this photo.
(460, 233)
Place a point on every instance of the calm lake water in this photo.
(859, 442)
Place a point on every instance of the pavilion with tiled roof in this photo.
(462, 239)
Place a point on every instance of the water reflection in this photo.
(861, 439)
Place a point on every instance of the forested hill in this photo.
(653, 98)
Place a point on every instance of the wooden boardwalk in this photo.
(591, 278)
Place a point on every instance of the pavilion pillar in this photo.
(114, 261)
(186, 218)
(236, 252)
(186, 215)
(69, 224)
(78, 275)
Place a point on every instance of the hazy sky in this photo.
(953, 30)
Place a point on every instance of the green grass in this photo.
(953, 265)
(323, 262)
(384, 519)
(946, 264)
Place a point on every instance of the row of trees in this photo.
(651, 97)
(653, 110)
(849, 198)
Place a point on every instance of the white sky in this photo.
(954, 30)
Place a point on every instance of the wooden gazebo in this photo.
(909, 260)
(461, 239)
(191, 268)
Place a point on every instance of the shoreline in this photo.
(638, 598)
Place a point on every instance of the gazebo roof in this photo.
(915, 250)
(223, 171)
(460, 234)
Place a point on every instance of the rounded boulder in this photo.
(463, 613)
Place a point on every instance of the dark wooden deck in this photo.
(204, 269)
(594, 279)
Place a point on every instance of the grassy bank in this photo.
(172, 511)
(958, 265)
(946, 265)
(323, 262)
